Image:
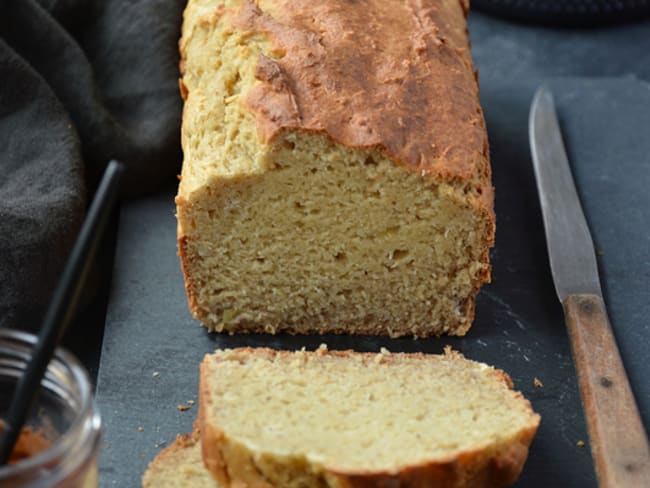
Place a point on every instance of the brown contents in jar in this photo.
(29, 443)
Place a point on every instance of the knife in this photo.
(619, 443)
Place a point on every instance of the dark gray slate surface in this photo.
(519, 325)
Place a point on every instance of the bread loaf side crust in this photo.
(175, 459)
(497, 467)
(493, 466)
(185, 263)
(212, 438)
(500, 468)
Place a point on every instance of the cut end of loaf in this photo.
(350, 419)
(333, 240)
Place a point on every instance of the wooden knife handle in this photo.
(619, 443)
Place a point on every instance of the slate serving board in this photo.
(152, 347)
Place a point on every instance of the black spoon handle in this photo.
(62, 306)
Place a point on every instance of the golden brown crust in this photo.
(163, 456)
(499, 467)
(212, 444)
(182, 441)
(485, 204)
(185, 263)
(396, 76)
(496, 468)
(182, 89)
(369, 328)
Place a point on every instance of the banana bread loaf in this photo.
(336, 174)
(345, 419)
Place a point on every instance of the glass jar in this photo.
(64, 415)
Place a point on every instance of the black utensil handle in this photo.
(566, 12)
(62, 306)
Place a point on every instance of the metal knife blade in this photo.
(570, 247)
(619, 443)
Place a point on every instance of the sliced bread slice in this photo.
(346, 419)
(179, 465)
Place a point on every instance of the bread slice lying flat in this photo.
(179, 465)
(346, 419)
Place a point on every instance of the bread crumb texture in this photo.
(316, 419)
(325, 187)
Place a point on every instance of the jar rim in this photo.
(85, 413)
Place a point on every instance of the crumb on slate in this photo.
(580, 443)
(537, 382)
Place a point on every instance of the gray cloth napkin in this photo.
(81, 82)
